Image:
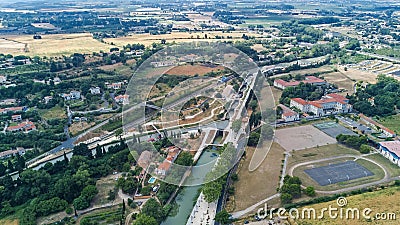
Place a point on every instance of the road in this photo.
(390, 59)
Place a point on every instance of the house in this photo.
(327, 105)
(370, 122)
(391, 150)
(10, 153)
(73, 95)
(122, 99)
(13, 109)
(114, 86)
(24, 126)
(46, 99)
(288, 115)
(282, 84)
(16, 118)
(3, 79)
(163, 168)
(95, 90)
(10, 101)
(145, 159)
(163, 63)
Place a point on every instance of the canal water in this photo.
(188, 195)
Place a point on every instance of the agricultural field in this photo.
(257, 185)
(56, 44)
(191, 70)
(177, 37)
(12, 47)
(378, 201)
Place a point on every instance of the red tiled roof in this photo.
(164, 165)
(366, 118)
(315, 103)
(300, 101)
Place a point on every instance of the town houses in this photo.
(163, 168)
(25, 126)
(282, 84)
(327, 105)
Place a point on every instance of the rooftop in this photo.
(393, 146)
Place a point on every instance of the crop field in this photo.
(10, 46)
(57, 44)
(381, 201)
(191, 70)
(177, 37)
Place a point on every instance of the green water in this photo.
(185, 198)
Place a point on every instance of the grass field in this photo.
(55, 112)
(393, 169)
(382, 201)
(321, 152)
(391, 122)
(255, 186)
(9, 222)
(57, 44)
(340, 80)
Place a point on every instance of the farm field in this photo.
(191, 70)
(259, 184)
(148, 39)
(57, 44)
(378, 201)
(10, 46)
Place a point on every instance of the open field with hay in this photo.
(55, 44)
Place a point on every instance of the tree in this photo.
(310, 191)
(236, 125)
(83, 150)
(365, 149)
(184, 159)
(223, 217)
(153, 209)
(143, 219)
(286, 198)
(99, 151)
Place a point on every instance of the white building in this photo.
(95, 90)
(329, 104)
(391, 151)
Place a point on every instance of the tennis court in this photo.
(335, 173)
(333, 129)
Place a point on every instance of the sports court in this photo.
(335, 173)
(333, 129)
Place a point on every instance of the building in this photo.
(391, 150)
(10, 101)
(370, 122)
(13, 109)
(163, 168)
(114, 86)
(73, 95)
(122, 99)
(46, 99)
(10, 153)
(95, 90)
(3, 79)
(327, 105)
(288, 115)
(281, 84)
(16, 118)
(24, 126)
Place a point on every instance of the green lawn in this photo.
(55, 112)
(391, 122)
(393, 169)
